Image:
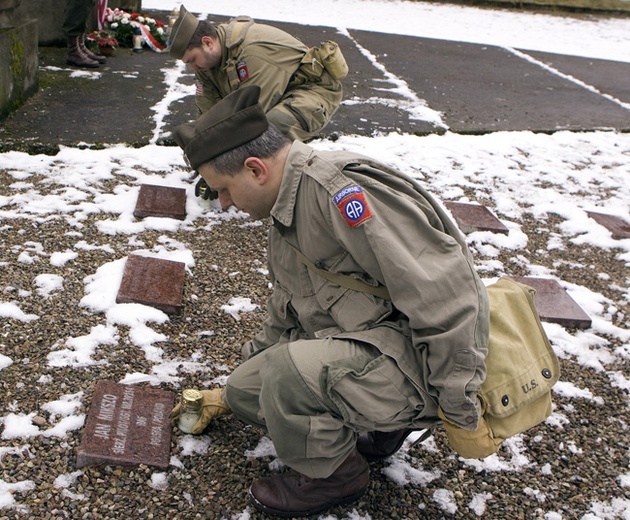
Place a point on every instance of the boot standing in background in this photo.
(75, 20)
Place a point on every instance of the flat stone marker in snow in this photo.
(127, 426)
(153, 281)
(617, 226)
(553, 303)
(161, 201)
(474, 217)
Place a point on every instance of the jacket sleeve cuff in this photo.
(464, 414)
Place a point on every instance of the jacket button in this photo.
(470, 419)
(466, 406)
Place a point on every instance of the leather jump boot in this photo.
(76, 57)
(380, 445)
(93, 56)
(292, 494)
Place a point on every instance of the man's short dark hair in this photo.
(204, 28)
(264, 146)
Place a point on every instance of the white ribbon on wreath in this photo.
(147, 37)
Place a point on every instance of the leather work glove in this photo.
(212, 406)
(204, 191)
(477, 444)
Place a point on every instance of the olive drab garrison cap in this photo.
(181, 33)
(235, 120)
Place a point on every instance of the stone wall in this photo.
(50, 13)
(18, 57)
(49, 17)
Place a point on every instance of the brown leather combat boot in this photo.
(93, 56)
(380, 445)
(76, 57)
(293, 494)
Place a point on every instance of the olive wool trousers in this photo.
(313, 397)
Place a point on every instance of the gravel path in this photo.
(558, 468)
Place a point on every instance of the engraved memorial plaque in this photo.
(553, 303)
(153, 281)
(127, 426)
(618, 227)
(473, 217)
(161, 201)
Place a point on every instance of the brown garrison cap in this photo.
(181, 33)
(235, 120)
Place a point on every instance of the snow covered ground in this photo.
(521, 175)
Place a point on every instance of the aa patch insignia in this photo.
(242, 71)
(352, 205)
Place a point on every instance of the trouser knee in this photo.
(242, 393)
(268, 387)
(288, 124)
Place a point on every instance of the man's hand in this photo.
(476, 444)
(212, 406)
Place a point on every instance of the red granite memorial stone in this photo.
(474, 217)
(161, 201)
(153, 281)
(127, 426)
(617, 226)
(553, 303)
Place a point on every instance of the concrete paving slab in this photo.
(553, 303)
(481, 88)
(611, 78)
(108, 105)
(127, 426)
(474, 217)
(153, 281)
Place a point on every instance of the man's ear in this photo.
(258, 169)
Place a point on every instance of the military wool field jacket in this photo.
(266, 56)
(349, 214)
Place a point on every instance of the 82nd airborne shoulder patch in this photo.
(242, 71)
(352, 205)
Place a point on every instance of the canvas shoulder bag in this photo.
(521, 370)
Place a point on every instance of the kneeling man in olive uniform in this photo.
(377, 318)
(300, 89)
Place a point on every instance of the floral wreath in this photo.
(123, 26)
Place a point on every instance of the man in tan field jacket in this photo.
(298, 95)
(376, 319)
